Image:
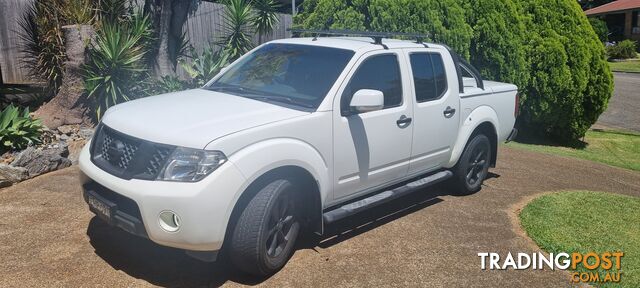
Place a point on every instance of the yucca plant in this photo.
(237, 19)
(111, 11)
(116, 63)
(77, 11)
(265, 17)
(18, 130)
(205, 66)
(42, 48)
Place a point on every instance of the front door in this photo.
(372, 148)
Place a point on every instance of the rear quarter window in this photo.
(429, 76)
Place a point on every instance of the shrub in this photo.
(622, 50)
(18, 130)
(42, 48)
(166, 84)
(237, 17)
(601, 29)
(497, 47)
(443, 20)
(116, 64)
(571, 82)
(205, 66)
(265, 18)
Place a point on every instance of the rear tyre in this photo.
(264, 237)
(473, 165)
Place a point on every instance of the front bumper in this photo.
(124, 212)
(204, 207)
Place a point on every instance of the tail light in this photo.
(516, 110)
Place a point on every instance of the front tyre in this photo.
(473, 165)
(264, 237)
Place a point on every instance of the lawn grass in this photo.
(616, 148)
(583, 221)
(626, 66)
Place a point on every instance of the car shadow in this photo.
(164, 266)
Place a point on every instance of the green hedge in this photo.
(548, 48)
(444, 19)
(571, 82)
(497, 48)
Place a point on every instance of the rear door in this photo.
(373, 148)
(437, 108)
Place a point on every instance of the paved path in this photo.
(624, 106)
(428, 239)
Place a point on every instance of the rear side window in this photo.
(429, 76)
(380, 72)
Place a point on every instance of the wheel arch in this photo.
(482, 120)
(488, 130)
(279, 158)
(300, 178)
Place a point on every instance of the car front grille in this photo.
(128, 157)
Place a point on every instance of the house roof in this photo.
(613, 7)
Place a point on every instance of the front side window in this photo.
(296, 75)
(379, 72)
(429, 77)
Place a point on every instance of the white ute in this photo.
(297, 133)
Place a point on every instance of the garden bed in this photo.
(58, 149)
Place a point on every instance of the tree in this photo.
(571, 82)
(68, 106)
(443, 20)
(168, 18)
(497, 47)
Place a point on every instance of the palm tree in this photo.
(265, 18)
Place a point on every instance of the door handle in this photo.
(404, 121)
(449, 112)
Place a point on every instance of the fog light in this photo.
(169, 221)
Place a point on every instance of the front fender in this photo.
(471, 122)
(259, 158)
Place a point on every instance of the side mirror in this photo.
(367, 100)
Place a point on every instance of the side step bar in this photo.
(383, 197)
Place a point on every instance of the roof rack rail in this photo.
(376, 36)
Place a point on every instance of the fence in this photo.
(203, 27)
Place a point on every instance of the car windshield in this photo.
(290, 74)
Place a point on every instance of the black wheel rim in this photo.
(282, 225)
(477, 163)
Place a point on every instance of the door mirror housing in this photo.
(367, 100)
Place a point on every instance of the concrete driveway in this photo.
(48, 237)
(624, 106)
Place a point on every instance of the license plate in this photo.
(100, 208)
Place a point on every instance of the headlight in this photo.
(191, 165)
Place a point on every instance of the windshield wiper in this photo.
(227, 88)
(281, 99)
(249, 93)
